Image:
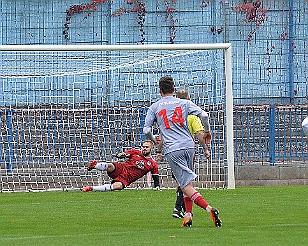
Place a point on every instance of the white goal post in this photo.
(64, 105)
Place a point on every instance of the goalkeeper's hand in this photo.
(157, 188)
(122, 155)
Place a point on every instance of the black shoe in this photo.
(177, 214)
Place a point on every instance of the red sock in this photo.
(188, 204)
(199, 200)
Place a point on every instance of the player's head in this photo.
(166, 85)
(183, 94)
(147, 147)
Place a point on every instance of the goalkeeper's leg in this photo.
(102, 166)
(106, 187)
(103, 188)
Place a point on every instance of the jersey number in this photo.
(176, 117)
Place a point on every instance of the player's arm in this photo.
(148, 133)
(123, 155)
(201, 139)
(148, 123)
(155, 178)
(128, 153)
(159, 142)
(204, 117)
(196, 128)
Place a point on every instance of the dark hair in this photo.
(166, 84)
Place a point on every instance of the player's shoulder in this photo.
(193, 117)
(154, 105)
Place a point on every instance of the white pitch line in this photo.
(64, 235)
(271, 225)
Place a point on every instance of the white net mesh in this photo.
(59, 110)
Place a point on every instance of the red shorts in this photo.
(119, 174)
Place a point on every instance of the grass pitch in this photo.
(250, 216)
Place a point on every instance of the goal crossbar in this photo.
(224, 46)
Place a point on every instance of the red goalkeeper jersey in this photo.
(135, 167)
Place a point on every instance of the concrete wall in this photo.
(271, 175)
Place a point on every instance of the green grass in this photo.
(250, 215)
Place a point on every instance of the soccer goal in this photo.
(62, 106)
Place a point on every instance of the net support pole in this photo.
(229, 118)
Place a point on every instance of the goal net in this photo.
(62, 106)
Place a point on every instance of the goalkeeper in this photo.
(138, 163)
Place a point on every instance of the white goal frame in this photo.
(218, 46)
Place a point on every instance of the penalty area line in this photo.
(6, 239)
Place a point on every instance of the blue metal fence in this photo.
(48, 136)
(270, 134)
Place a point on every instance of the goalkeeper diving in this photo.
(137, 164)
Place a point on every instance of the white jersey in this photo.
(305, 125)
(171, 113)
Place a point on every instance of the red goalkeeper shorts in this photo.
(120, 174)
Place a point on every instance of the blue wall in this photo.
(269, 67)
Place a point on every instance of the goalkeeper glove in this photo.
(122, 155)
